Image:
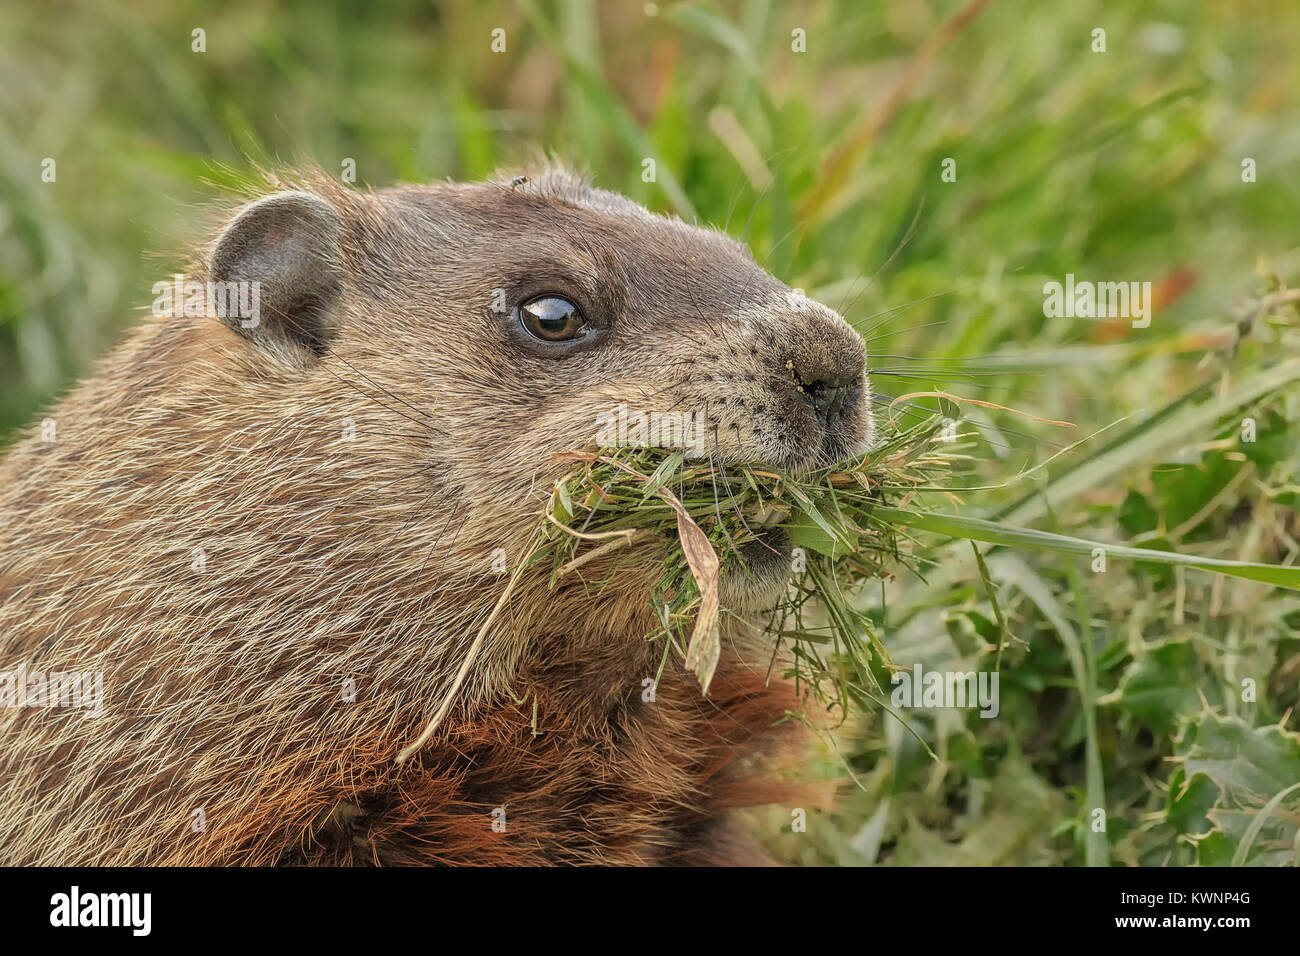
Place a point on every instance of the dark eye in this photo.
(552, 318)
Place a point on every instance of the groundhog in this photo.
(270, 527)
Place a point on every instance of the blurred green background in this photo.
(1127, 164)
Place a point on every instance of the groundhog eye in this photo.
(552, 318)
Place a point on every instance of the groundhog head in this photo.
(513, 321)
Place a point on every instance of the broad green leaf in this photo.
(1257, 773)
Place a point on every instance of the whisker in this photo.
(419, 411)
(902, 243)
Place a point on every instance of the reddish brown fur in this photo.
(652, 784)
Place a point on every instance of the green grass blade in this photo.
(1096, 848)
(991, 532)
(1257, 824)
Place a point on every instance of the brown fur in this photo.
(326, 560)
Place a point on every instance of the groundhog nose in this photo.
(829, 374)
(827, 394)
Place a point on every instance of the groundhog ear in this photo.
(286, 247)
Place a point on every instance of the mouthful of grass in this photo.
(823, 538)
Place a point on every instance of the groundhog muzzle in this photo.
(266, 529)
